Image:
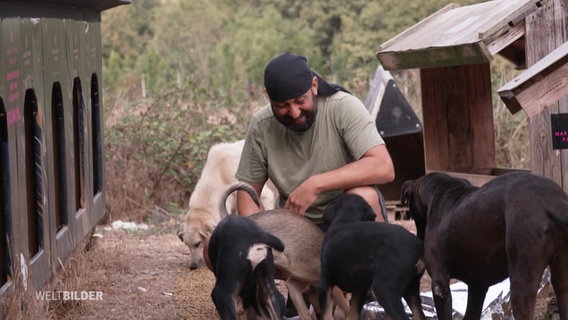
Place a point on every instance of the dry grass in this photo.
(18, 303)
(80, 273)
(136, 273)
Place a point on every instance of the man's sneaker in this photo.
(290, 312)
(297, 317)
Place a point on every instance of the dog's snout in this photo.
(193, 266)
(406, 192)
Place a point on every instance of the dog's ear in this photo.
(369, 214)
(361, 206)
(207, 229)
(180, 234)
(329, 213)
(406, 192)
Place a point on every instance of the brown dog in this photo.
(299, 264)
(513, 226)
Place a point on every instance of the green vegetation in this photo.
(181, 75)
(223, 45)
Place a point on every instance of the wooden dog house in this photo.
(453, 49)
(400, 128)
(542, 92)
(51, 135)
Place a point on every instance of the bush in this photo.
(155, 151)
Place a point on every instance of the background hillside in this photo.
(181, 75)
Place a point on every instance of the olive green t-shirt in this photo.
(342, 132)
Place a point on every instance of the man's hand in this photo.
(303, 196)
(374, 167)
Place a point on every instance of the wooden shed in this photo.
(453, 49)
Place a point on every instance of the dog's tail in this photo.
(557, 211)
(272, 241)
(263, 243)
(559, 217)
(234, 187)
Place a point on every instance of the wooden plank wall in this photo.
(546, 30)
(458, 117)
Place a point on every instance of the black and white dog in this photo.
(359, 254)
(240, 254)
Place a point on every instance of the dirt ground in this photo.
(143, 274)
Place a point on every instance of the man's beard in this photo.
(308, 116)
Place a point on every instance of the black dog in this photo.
(513, 226)
(241, 259)
(359, 254)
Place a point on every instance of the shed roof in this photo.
(542, 84)
(457, 35)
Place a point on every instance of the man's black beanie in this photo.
(288, 76)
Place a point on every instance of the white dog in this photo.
(203, 214)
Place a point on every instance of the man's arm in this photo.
(374, 167)
(245, 204)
